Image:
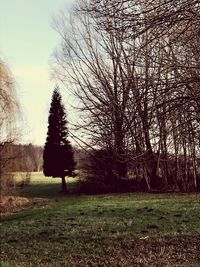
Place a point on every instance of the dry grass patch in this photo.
(15, 203)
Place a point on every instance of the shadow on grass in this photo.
(47, 190)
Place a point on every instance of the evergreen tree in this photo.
(58, 155)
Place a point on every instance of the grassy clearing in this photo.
(45, 187)
(106, 230)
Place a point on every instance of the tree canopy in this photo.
(58, 154)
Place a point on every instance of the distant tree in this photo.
(58, 154)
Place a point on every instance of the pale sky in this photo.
(27, 41)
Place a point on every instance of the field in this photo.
(134, 229)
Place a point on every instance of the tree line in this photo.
(134, 66)
(22, 158)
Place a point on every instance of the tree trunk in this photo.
(64, 185)
(121, 160)
(152, 162)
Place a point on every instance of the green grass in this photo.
(45, 186)
(133, 229)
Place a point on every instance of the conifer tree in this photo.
(58, 154)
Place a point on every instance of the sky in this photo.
(27, 41)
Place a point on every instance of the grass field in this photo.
(133, 229)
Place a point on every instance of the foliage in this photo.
(58, 157)
(98, 175)
(58, 154)
(102, 165)
(89, 185)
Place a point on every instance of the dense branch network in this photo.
(135, 67)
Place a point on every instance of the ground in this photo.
(134, 229)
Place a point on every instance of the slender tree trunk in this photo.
(121, 161)
(152, 163)
(64, 185)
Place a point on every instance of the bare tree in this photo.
(134, 66)
(9, 109)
